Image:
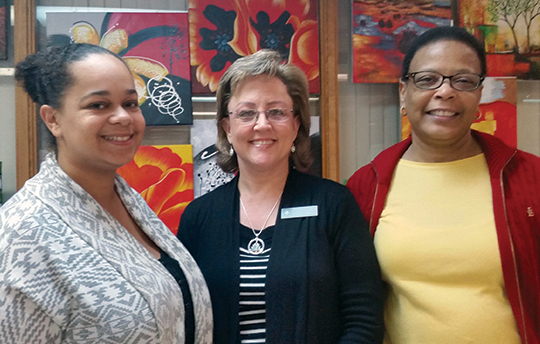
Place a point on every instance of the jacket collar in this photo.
(497, 154)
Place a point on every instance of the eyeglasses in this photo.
(250, 116)
(434, 80)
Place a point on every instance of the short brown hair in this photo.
(265, 62)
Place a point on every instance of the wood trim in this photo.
(25, 109)
(328, 40)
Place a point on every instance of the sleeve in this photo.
(21, 321)
(361, 289)
(187, 227)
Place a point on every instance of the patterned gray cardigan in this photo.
(70, 273)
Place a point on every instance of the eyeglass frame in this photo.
(256, 118)
(449, 77)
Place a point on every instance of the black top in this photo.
(174, 269)
(323, 281)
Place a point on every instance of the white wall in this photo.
(7, 136)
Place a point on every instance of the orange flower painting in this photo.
(225, 30)
(163, 175)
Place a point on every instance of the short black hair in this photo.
(444, 33)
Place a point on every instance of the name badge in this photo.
(296, 212)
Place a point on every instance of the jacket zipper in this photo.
(525, 340)
(374, 201)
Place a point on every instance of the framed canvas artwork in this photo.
(163, 175)
(221, 31)
(510, 31)
(154, 45)
(383, 30)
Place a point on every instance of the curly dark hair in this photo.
(46, 75)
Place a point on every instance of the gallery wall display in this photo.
(163, 175)
(510, 31)
(383, 30)
(154, 45)
(221, 31)
(497, 114)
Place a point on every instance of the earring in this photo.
(402, 111)
(478, 115)
(231, 150)
(293, 148)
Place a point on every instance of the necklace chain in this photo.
(256, 245)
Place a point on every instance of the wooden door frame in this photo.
(25, 109)
(328, 38)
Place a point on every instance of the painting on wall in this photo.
(497, 113)
(163, 175)
(207, 175)
(383, 30)
(510, 31)
(154, 45)
(222, 31)
(3, 32)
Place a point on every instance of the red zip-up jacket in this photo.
(515, 183)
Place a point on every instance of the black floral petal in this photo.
(276, 35)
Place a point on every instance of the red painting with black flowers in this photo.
(222, 31)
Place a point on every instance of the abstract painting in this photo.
(154, 45)
(163, 175)
(383, 30)
(222, 31)
(497, 113)
(3, 32)
(510, 31)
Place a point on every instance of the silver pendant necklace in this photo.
(256, 245)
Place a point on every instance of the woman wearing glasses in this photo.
(454, 212)
(287, 256)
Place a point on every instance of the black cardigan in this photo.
(323, 282)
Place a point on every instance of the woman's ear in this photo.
(402, 90)
(50, 117)
(226, 126)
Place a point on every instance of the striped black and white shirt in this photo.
(252, 314)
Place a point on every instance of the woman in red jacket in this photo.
(453, 211)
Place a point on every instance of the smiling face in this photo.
(263, 145)
(441, 117)
(99, 125)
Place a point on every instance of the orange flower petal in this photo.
(177, 198)
(171, 216)
(163, 158)
(168, 185)
(305, 49)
